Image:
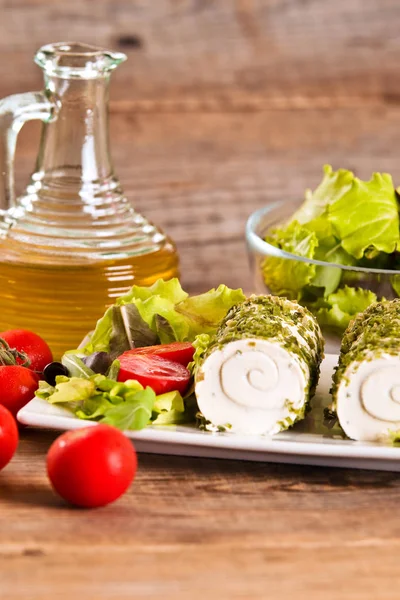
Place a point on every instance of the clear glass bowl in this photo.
(260, 223)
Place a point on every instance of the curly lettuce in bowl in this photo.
(346, 235)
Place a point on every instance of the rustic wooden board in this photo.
(210, 53)
(195, 527)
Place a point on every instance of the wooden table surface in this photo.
(224, 108)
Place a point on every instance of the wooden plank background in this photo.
(223, 53)
(202, 528)
(224, 106)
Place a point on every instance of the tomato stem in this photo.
(12, 356)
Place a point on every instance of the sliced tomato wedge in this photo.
(160, 374)
(180, 352)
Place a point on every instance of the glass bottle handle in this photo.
(14, 112)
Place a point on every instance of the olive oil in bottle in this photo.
(63, 302)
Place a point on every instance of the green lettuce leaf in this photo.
(120, 329)
(327, 279)
(366, 216)
(286, 277)
(72, 389)
(161, 313)
(360, 216)
(324, 282)
(132, 414)
(169, 401)
(164, 330)
(124, 405)
(201, 345)
(93, 408)
(169, 409)
(75, 365)
(342, 306)
(324, 232)
(171, 290)
(345, 221)
(129, 330)
(203, 313)
(333, 186)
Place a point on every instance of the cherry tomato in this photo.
(154, 371)
(91, 467)
(17, 387)
(180, 352)
(35, 347)
(8, 436)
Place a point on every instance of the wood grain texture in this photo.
(222, 108)
(205, 54)
(195, 527)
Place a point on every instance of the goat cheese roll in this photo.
(366, 382)
(258, 373)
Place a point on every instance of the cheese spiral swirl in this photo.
(251, 386)
(257, 374)
(368, 398)
(366, 382)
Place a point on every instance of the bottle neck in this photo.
(75, 145)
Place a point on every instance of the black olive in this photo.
(99, 362)
(53, 369)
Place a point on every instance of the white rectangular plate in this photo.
(308, 443)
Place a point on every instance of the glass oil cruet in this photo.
(72, 242)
